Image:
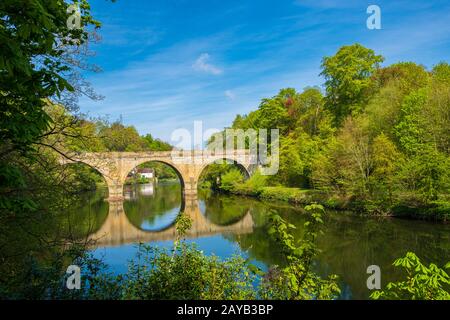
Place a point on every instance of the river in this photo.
(224, 225)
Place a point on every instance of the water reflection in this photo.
(151, 218)
(89, 216)
(223, 211)
(152, 207)
(224, 225)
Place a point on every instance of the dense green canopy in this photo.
(376, 136)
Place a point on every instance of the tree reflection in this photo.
(154, 210)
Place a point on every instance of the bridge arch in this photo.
(151, 207)
(164, 162)
(243, 168)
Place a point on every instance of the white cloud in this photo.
(201, 64)
(230, 95)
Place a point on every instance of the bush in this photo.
(187, 274)
(137, 180)
(252, 186)
(421, 283)
(296, 281)
(231, 179)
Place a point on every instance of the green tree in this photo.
(354, 157)
(153, 144)
(308, 111)
(40, 64)
(35, 64)
(436, 114)
(393, 84)
(409, 130)
(386, 161)
(273, 112)
(118, 137)
(426, 174)
(291, 164)
(409, 76)
(348, 79)
(441, 72)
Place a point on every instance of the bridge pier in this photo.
(189, 201)
(115, 191)
(190, 193)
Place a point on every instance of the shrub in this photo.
(187, 274)
(252, 186)
(230, 179)
(421, 283)
(296, 281)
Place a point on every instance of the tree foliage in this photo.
(378, 138)
(348, 79)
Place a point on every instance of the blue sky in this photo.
(168, 63)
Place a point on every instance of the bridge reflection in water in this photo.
(118, 230)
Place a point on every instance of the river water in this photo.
(225, 225)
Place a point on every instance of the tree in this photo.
(155, 144)
(273, 112)
(34, 65)
(441, 72)
(386, 160)
(426, 174)
(325, 175)
(348, 79)
(422, 134)
(408, 75)
(39, 55)
(354, 157)
(436, 114)
(39, 60)
(392, 84)
(309, 113)
(118, 137)
(409, 130)
(291, 164)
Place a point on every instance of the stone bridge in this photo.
(115, 166)
(118, 230)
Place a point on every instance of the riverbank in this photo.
(434, 211)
